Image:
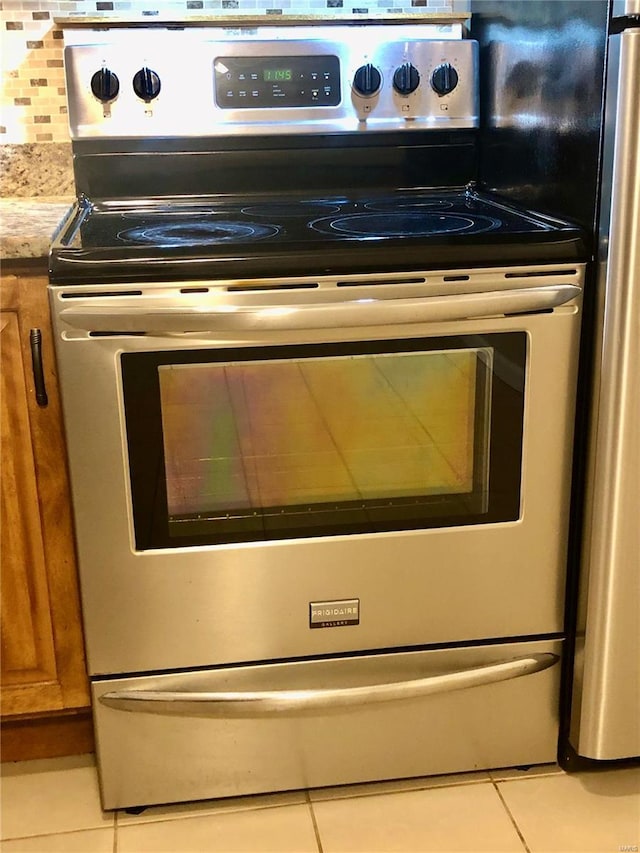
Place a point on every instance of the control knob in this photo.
(444, 79)
(146, 84)
(105, 85)
(367, 80)
(406, 79)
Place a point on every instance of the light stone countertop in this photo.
(27, 225)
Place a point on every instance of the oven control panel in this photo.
(280, 80)
(274, 82)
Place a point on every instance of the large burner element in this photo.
(196, 233)
(409, 202)
(404, 224)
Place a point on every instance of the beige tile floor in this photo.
(54, 805)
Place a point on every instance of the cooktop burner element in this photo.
(194, 233)
(409, 202)
(405, 224)
(304, 209)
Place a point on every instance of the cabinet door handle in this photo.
(35, 338)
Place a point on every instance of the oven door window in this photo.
(287, 442)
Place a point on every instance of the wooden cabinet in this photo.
(42, 663)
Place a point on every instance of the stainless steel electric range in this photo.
(318, 390)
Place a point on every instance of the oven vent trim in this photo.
(423, 283)
(251, 288)
(96, 294)
(376, 282)
(116, 334)
(537, 273)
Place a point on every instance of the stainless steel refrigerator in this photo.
(605, 702)
(560, 107)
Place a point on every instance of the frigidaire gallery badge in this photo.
(333, 614)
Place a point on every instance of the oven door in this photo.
(259, 480)
(247, 444)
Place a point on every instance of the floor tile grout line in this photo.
(56, 832)
(426, 787)
(205, 812)
(314, 822)
(511, 817)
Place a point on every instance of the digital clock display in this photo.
(277, 82)
(277, 75)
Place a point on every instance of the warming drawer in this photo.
(241, 730)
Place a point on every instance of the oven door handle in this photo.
(267, 703)
(184, 314)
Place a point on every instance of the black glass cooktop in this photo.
(288, 235)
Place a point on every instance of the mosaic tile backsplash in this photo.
(32, 101)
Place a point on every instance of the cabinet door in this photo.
(42, 654)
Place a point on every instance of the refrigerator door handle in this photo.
(265, 703)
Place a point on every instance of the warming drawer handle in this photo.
(266, 703)
(182, 314)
